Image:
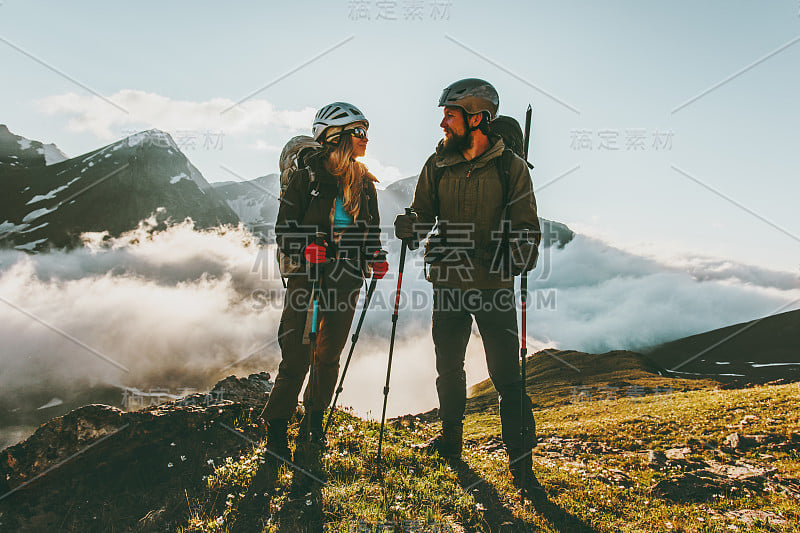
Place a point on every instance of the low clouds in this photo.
(172, 308)
(609, 299)
(89, 113)
(184, 308)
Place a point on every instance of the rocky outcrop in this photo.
(98, 468)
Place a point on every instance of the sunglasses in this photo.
(357, 132)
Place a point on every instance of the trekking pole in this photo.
(380, 257)
(403, 247)
(312, 336)
(523, 351)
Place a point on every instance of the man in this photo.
(465, 189)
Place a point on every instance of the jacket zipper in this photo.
(469, 173)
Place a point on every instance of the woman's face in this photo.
(359, 145)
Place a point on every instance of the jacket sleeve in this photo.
(290, 234)
(423, 203)
(373, 240)
(522, 202)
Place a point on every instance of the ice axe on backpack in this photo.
(406, 244)
(372, 284)
(523, 350)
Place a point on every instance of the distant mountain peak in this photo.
(20, 152)
(109, 189)
(152, 138)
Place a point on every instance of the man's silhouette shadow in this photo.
(500, 519)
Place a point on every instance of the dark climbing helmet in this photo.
(473, 95)
(337, 114)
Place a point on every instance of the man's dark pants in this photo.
(495, 313)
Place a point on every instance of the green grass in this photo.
(602, 485)
(555, 377)
(633, 426)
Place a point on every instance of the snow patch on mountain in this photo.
(40, 226)
(175, 179)
(10, 227)
(51, 194)
(24, 144)
(30, 246)
(33, 215)
(52, 154)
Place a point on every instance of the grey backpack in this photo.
(290, 162)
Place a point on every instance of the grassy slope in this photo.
(602, 485)
(554, 374)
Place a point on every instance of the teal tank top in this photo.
(341, 218)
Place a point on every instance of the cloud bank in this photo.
(184, 308)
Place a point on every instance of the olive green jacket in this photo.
(470, 207)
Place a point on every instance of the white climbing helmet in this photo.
(335, 114)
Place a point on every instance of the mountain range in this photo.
(111, 189)
(758, 351)
(47, 200)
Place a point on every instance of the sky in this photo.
(664, 128)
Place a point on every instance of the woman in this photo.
(328, 222)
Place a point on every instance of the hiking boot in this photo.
(251, 511)
(311, 428)
(277, 440)
(529, 485)
(259, 494)
(262, 485)
(447, 443)
(525, 480)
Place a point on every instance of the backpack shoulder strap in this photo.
(308, 182)
(504, 173)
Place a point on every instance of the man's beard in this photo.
(457, 143)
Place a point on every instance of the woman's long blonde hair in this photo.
(351, 173)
